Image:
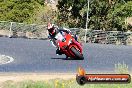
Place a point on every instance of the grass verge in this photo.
(59, 83)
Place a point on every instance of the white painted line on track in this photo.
(5, 59)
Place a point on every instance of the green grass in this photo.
(121, 68)
(59, 83)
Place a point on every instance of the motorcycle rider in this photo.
(53, 35)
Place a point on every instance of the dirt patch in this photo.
(17, 77)
(129, 20)
(5, 32)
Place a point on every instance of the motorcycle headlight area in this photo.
(63, 40)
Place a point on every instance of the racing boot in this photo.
(58, 52)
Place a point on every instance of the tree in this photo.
(19, 10)
(103, 14)
(69, 11)
(40, 1)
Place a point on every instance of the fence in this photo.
(14, 29)
(109, 37)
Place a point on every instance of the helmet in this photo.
(51, 28)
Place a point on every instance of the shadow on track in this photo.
(66, 59)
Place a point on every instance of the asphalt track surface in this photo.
(31, 55)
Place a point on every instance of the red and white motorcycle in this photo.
(69, 46)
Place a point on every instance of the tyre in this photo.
(78, 55)
(81, 80)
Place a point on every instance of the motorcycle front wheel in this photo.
(77, 54)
